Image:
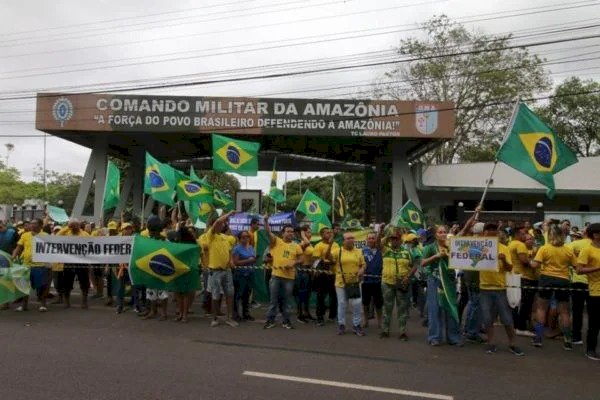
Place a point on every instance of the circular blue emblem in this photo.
(313, 207)
(162, 265)
(62, 110)
(156, 181)
(192, 187)
(233, 155)
(542, 152)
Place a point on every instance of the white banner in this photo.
(474, 253)
(82, 249)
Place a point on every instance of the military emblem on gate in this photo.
(62, 110)
(426, 118)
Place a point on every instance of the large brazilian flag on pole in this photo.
(157, 264)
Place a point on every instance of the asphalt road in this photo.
(96, 354)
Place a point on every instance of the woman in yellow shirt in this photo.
(553, 260)
(588, 263)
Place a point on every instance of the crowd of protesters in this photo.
(396, 271)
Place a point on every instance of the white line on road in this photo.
(347, 385)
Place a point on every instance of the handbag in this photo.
(352, 289)
(400, 284)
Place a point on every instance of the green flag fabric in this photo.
(231, 155)
(112, 187)
(408, 216)
(534, 150)
(14, 279)
(195, 190)
(160, 180)
(198, 211)
(57, 214)
(314, 207)
(162, 265)
(223, 201)
(320, 223)
(275, 193)
(447, 291)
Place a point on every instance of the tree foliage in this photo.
(470, 69)
(225, 182)
(574, 117)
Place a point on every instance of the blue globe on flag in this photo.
(543, 152)
(233, 155)
(162, 265)
(156, 181)
(313, 207)
(192, 187)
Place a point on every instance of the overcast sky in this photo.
(54, 45)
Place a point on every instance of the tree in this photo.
(471, 70)
(224, 182)
(575, 117)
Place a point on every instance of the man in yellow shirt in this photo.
(286, 255)
(324, 280)
(579, 296)
(521, 265)
(220, 280)
(72, 270)
(40, 273)
(493, 300)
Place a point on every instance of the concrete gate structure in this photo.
(377, 137)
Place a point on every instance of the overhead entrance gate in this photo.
(376, 137)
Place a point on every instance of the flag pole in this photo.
(333, 202)
(506, 134)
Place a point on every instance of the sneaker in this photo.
(384, 335)
(43, 309)
(231, 323)
(358, 331)
(403, 337)
(237, 318)
(516, 351)
(475, 339)
(341, 329)
(248, 317)
(269, 325)
(592, 355)
(491, 349)
(524, 333)
(20, 309)
(434, 343)
(301, 319)
(119, 310)
(287, 325)
(568, 346)
(214, 323)
(577, 342)
(320, 322)
(537, 342)
(457, 344)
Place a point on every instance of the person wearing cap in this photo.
(580, 284)
(398, 269)
(324, 279)
(371, 285)
(72, 270)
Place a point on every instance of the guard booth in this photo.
(376, 137)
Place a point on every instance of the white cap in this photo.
(478, 228)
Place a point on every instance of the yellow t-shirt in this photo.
(590, 256)
(577, 246)
(555, 260)
(496, 280)
(27, 241)
(219, 249)
(517, 247)
(352, 261)
(283, 253)
(307, 255)
(67, 232)
(391, 258)
(320, 250)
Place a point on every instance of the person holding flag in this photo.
(441, 291)
(324, 280)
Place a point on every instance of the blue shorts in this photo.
(40, 277)
(494, 303)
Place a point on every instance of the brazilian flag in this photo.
(314, 207)
(239, 156)
(534, 150)
(409, 216)
(14, 279)
(198, 211)
(160, 180)
(189, 189)
(319, 224)
(157, 264)
(223, 201)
